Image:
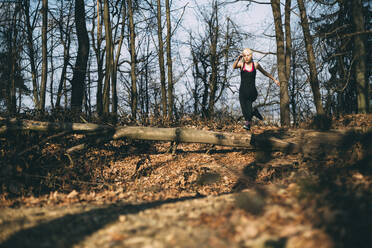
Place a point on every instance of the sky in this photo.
(256, 19)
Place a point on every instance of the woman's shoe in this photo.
(247, 126)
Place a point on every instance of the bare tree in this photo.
(288, 38)
(281, 58)
(30, 22)
(311, 59)
(78, 79)
(44, 49)
(169, 62)
(116, 56)
(214, 33)
(133, 62)
(359, 51)
(161, 60)
(109, 55)
(65, 29)
(99, 54)
(11, 76)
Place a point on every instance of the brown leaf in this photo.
(72, 194)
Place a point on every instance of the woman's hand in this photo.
(237, 61)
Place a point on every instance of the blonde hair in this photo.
(248, 51)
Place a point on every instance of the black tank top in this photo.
(248, 82)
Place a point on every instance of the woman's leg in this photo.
(247, 110)
(257, 114)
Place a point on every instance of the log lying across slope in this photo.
(179, 135)
(302, 141)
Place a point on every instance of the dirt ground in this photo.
(138, 194)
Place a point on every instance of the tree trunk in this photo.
(147, 81)
(87, 92)
(161, 61)
(12, 104)
(226, 55)
(288, 38)
(359, 53)
(195, 90)
(133, 62)
(294, 91)
(116, 63)
(108, 38)
(31, 54)
(51, 72)
(44, 67)
(65, 39)
(288, 56)
(66, 60)
(169, 62)
(311, 59)
(284, 96)
(99, 59)
(214, 32)
(14, 58)
(78, 79)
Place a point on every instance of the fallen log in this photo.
(304, 141)
(28, 125)
(178, 135)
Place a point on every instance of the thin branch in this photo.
(265, 53)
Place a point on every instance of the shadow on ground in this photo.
(334, 181)
(72, 228)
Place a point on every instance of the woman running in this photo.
(247, 90)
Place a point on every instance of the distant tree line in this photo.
(112, 58)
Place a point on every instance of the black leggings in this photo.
(246, 101)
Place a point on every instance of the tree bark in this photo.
(133, 62)
(65, 39)
(66, 60)
(99, 59)
(178, 135)
(288, 38)
(280, 54)
(13, 50)
(44, 67)
(169, 62)
(308, 142)
(78, 79)
(359, 53)
(214, 33)
(12, 104)
(161, 61)
(116, 62)
(51, 72)
(109, 57)
(311, 59)
(31, 54)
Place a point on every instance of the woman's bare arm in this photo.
(238, 63)
(259, 67)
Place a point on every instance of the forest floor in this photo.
(137, 194)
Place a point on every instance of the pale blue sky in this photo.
(256, 20)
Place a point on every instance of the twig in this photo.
(70, 158)
(42, 142)
(70, 180)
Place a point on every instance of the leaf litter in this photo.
(137, 194)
